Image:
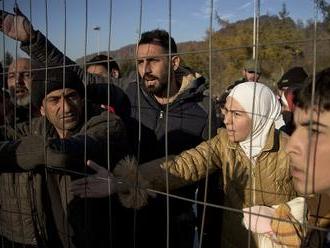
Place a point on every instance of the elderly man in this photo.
(21, 73)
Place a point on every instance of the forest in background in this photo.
(283, 43)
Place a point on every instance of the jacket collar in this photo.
(319, 210)
(272, 142)
(191, 84)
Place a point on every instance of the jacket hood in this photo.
(191, 83)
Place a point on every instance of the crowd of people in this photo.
(90, 158)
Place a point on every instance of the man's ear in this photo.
(175, 62)
(42, 110)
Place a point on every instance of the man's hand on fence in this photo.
(101, 184)
(16, 26)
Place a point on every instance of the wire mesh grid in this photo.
(278, 42)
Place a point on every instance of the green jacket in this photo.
(34, 196)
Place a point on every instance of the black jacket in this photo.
(187, 126)
(187, 122)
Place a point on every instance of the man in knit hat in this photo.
(61, 103)
(49, 216)
(290, 81)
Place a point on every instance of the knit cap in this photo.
(292, 78)
(56, 79)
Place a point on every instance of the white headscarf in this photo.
(267, 110)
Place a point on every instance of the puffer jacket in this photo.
(16, 220)
(45, 213)
(267, 183)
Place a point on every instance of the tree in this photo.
(233, 45)
(223, 23)
(283, 13)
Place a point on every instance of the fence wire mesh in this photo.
(45, 148)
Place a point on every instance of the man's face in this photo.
(153, 67)
(19, 81)
(310, 152)
(63, 109)
(114, 73)
(251, 76)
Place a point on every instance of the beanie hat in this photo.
(292, 78)
(56, 79)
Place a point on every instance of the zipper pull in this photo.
(161, 114)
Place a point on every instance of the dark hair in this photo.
(322, 92)
(158, 37)
(103, 60)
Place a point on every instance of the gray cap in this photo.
(251, 66)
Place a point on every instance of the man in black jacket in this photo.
(53, 145)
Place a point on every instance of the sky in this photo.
(68, 20)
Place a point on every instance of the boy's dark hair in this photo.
(103, 60)
(158, 37)
(322, 92)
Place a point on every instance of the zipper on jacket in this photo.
(161, 114)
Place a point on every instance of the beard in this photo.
(158, 88)
(22, 101)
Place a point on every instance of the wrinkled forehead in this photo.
(20, 65)
(62, 92)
